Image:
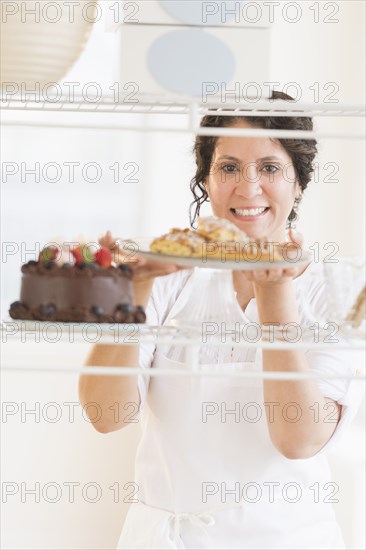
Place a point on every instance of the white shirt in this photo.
(207, 471)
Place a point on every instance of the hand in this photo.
(279, 276)
(143, 269)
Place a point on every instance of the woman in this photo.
(235, 463)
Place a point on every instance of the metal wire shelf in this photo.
(192, 372)
(188, 337)
(148, 104)
(193, 109)
(270, 338)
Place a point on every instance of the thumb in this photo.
(296, 237)
(106, 239)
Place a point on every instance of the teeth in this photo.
(250, 212)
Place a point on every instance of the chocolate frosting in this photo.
(73, 294)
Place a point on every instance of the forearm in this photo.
(115, 397)
(299, 417)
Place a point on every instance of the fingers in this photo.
(270, 275)
(146, 272)
(290, 272)
(106, 240)
(126, 252)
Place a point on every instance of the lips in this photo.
(250, 212)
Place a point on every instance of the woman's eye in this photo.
(270, 168)
(229, 168)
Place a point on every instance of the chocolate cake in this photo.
(91, 289)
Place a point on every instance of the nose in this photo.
(249, 183)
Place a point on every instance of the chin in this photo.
(253, 230)
(255, 233)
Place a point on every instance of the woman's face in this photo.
(252, 183)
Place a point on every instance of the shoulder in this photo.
(164, 294)
(329, 289)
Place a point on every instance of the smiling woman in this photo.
(193, 472)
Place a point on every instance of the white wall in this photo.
(303, 52)
(60, 453)
(65, 451)
(327, 53)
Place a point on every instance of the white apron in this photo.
(209, 476)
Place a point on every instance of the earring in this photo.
(292, 224)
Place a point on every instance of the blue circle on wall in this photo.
(182, 60)
(197, 12)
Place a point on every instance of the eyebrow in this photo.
(272, 157)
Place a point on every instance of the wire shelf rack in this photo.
(147, 107)
(276, 337)
(193, 109)
(150, 104)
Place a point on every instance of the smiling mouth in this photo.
(249, 213)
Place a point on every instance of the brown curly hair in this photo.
(301, 151)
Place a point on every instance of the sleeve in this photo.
(146, 351)
(341, 366)
(164, 294)
(346, 384)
